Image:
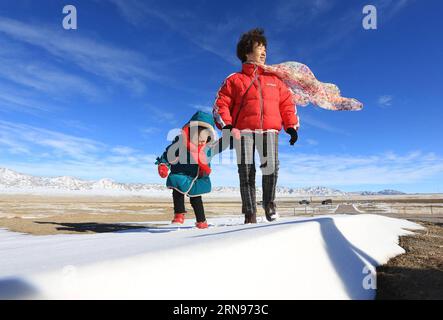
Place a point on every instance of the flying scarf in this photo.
(307, 89)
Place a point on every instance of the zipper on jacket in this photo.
(193, 181)
(260, 98)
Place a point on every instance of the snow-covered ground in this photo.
(328, 257)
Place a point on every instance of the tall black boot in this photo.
(250, 218)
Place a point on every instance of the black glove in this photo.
(294, 135)
(231, 141)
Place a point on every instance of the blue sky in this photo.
(99, 101)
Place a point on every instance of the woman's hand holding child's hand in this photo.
(234, 132)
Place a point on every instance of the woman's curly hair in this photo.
(246, 43)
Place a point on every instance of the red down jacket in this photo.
(266, 105)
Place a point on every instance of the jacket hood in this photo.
(203, 119)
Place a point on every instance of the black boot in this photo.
(250, 218)
(271, 217)
(270, 213)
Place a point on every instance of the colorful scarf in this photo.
(307, 89)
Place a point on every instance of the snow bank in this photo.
(328, 257)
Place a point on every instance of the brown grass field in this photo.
(44, 215)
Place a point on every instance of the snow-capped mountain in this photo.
(386, 192)
(286, 191)
(15, 182)
(313, 191)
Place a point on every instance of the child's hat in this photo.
(205, 120)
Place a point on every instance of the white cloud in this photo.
(205, 34)
(121, 66)
(47, 79)
(77, 125)
(12, 145)
(392, 7)
(297, 13)
(131, 10)
(60, 144)
(123, 150)
(40, 151)
(160, 115)
(312, 142)
(385, 100)
(26, 82)
(310, 121)
(303, 169)
(343, 170)
(201, 107)
(337, 30)
(14, 100)
(149, 130)
(47, 152)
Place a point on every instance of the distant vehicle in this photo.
(305, 202)
(327, 201)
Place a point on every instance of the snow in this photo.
(294, 258)
(12, 182)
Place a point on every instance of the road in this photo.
(346, 209)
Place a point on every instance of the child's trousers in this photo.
(196, 203)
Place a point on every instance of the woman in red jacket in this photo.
(255, 105)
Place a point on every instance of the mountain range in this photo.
(15, 182)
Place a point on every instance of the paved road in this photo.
(346, 209)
